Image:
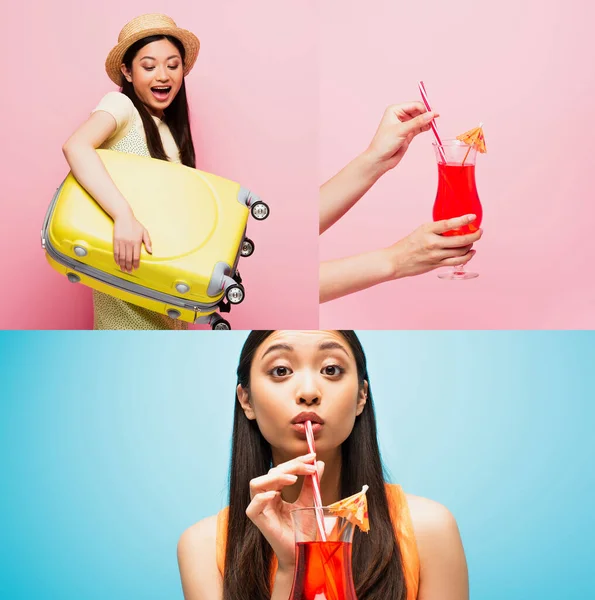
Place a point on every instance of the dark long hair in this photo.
(377, 563)
(176, 115)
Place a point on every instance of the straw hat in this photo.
(143, 26)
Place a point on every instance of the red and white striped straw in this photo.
(316, 483)
(424, 97)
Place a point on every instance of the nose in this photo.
(307, 392)
(162, 74)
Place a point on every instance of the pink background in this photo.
(526, 70)
(253, 100)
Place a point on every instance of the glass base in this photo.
(458, 274)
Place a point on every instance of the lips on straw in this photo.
(316, 483)
(424, 97)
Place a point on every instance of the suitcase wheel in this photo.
(73, 277)
(260, 210)
(220, 324)
(247, 248)
(172, 313)
(235, 293)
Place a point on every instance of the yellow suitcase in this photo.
(197, 222)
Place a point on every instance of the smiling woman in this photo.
(148, 117)
(412, 551)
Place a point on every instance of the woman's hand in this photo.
(129, 235)
(426, 249)
(271, 514)
(399, 125)
(421, 251)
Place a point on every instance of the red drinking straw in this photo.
(424, 97)
(316, 483)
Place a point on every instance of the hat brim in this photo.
(190, 42)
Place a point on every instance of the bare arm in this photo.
(283, 584)
(89, 171)
(352, 274)
(444, 573)
(340, 193)
(399, 125)
(421, 251)
(197, 561)
(88, 168)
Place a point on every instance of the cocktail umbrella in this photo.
(354, 509)
(474, 138)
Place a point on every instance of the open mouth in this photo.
(161, 93)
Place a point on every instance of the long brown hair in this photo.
(176, 115)
(377, 562)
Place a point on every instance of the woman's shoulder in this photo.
(118, 105)
(117, 98)
(436, 533)
(197, 536)
(197, 560)
(440, 549)
(200, 539)
(427, 516)
(430, 517)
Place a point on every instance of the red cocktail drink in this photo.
(457, 193)
(323, 571)
(322, 568)
(457, 196)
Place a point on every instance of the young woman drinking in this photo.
(413, 550)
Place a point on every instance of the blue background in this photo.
(111, 444)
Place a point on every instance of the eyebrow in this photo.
(168, 58)
(275, 347)
(333, 346)
(323, 346)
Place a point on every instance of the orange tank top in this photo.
(403, 526)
